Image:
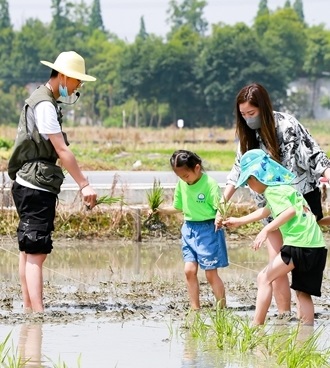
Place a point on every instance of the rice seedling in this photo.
(292, 352)
(3, 349)
(7, 358)
(155, 198)
(108, 200)
(61, 364)
(281, 348)
(224, 207)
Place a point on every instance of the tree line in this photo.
(193, 73)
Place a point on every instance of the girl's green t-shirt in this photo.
(302, 230)
(198, 201)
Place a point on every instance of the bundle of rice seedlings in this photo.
(223, 208)
(107, 199)
(155, 195)
(155, 198)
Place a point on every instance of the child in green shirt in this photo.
(197, 196)
(303, 252)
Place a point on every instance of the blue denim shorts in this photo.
(202, 244)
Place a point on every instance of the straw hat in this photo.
(257, 163)
(70, 64)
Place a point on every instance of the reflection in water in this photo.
(29, 345)
(91, 262)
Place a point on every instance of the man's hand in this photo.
(89, 196)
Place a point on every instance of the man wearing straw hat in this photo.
(37, 179)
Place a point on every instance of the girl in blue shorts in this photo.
(303, 253)
(197, 196)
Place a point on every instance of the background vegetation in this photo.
(193, 73)
(121, 149)
(149, 149)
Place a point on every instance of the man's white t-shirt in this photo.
(46, 118)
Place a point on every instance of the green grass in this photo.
(152, 158)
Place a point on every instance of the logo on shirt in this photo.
(201, 197)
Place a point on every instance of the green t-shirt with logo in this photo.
(198, 201)
(302, 230)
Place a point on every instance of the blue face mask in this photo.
(63, 91)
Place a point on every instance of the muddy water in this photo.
(96, 318)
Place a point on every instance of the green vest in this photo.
(34, 158)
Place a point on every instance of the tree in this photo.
(9, 110)
(103, 59)
(190, 13)
(69, 24)
(317, 59)
(136, 73)
(4, 15)
(175, 74)
(284, 40)
(96, 21)
(143, 34)
(299, 9)
(6, 40)
(287, 4)
(231, 58)
(263, 8)
(261, 21)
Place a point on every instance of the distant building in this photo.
(312, 94)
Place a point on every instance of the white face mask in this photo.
(253, 122)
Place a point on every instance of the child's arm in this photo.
(281, 219)
(257, 215)
(168, 210)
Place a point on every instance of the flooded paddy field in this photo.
(125, 304)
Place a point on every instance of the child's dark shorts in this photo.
(308, 269)
(36, 210)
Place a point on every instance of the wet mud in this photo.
(157, 299)
(118, 302)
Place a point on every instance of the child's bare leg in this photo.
(190, 270)
(217, 286)
(305, 307)
(34, 280)
(275, 269)
(281, 286)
